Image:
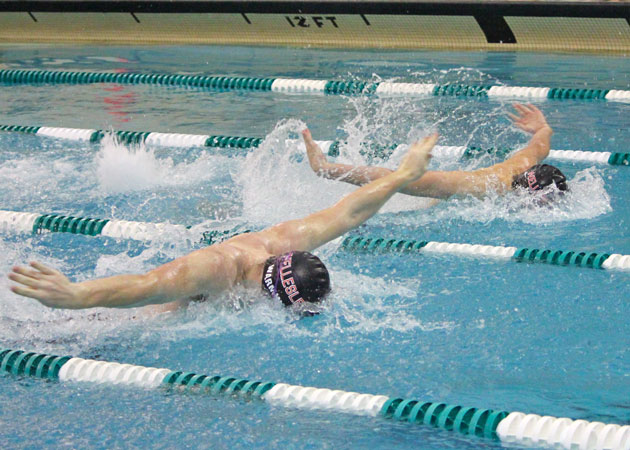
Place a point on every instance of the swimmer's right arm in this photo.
(498, 177)
(432, 184)
(357, 175)
(205, 270)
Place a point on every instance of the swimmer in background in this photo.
(521, 171)
(275, 259)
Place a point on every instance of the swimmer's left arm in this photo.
(498, 177)
(531, 120)
(352, 210)
(357, 175)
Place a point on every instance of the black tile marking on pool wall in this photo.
(496, 29)
(499, 8)
(32, 16)
(246, 18)
(135, 18)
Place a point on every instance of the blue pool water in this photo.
(513, 336)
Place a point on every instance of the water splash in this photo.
(586, 199)
(359, 304)
(35, 179)
(278, 184)
(121, 168)
(25, 323)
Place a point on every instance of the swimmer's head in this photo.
(540, 177)
(295, 278)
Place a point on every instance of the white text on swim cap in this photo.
(269, 281)
(288, 283)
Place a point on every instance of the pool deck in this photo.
(577, 26)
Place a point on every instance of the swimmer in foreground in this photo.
(521, 171)
(276, 257)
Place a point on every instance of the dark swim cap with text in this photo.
(539, 177)
(296, 277)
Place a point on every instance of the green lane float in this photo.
(33, 223)
(152, 138)
(556, 257)
(509, 427)
(69, 224)
(300, 85)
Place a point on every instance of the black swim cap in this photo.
(296, 277)
(539, 177)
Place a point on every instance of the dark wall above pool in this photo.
(490, 25)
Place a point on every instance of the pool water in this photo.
(512, 336)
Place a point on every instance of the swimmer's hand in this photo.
(316, 156)
(529, 119)
(49, 286)
(415, 162)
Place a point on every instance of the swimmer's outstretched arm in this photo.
(531, 120)
(432, 184)
(357, 175)
(218, 267)
(352, 210)
(205, 270)
(442, 184)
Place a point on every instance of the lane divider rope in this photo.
(555, 257)
(17, 222)
(20, 222)
(329, 147)
(300, 85)
(514, 428)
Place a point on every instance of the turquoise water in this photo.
(476, 332)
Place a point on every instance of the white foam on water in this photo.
(362, 304)
(277, 182)
(123, 169)
(27, 324)
(387, 121)
(586, 199)
(36, 178)
(456, 75)
(127, 168)
(358, 305)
